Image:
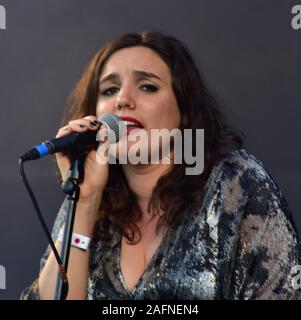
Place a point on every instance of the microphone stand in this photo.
(72, 189)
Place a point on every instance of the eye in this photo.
(107, 91)
(151, 88)
(111, 90)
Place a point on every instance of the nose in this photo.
(124, 100)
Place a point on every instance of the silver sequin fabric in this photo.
(241, 244)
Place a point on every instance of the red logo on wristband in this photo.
(76, 240)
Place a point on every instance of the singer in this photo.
(150, 231)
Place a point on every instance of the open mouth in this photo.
(131, 124)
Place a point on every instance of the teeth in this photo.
(130, 123)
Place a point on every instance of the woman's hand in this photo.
(96, 173)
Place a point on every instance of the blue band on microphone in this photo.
(42, 149)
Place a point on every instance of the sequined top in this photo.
(241, 244)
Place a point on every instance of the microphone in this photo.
(75, 140)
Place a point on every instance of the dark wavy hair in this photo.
(175, 191)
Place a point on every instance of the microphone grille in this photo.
(115, 125)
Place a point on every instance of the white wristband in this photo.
(77, 240)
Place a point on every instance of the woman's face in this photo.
(136, 83)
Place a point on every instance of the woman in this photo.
(158, 233)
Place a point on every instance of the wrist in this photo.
(84, 225)
(86, 216)
(91, 199)
(77, 240)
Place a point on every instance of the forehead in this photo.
(136, 58)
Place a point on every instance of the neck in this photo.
(142, 180)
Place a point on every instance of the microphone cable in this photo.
(62, 271)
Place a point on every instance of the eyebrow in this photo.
(137, 73)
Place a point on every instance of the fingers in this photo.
(79, 125)
(63, 131)
(91, 118)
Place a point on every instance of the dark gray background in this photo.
(247, 51)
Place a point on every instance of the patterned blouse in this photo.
(242, 243)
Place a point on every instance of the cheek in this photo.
(176, 117)
(173, 116)
(104, 107)
(172, 111)
(165, 113)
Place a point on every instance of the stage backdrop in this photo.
(248, 51)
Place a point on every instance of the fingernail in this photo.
(82, 126)
(92, 124)
(96, 122)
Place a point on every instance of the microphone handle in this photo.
(79, 140)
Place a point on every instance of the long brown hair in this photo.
(175, 191)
